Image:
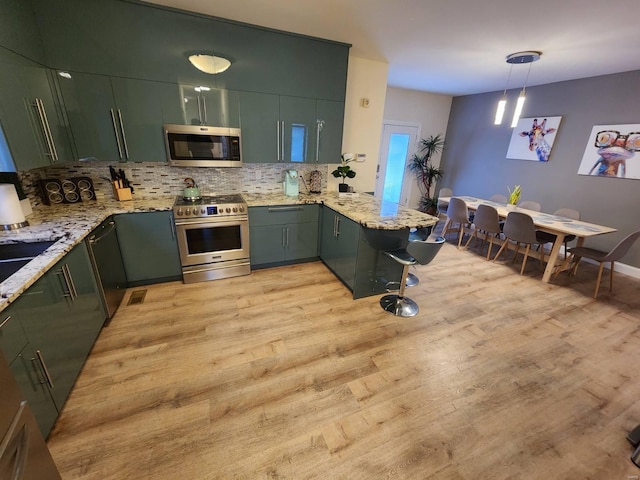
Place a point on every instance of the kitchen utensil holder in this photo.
(121, 193)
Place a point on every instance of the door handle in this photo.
(115, 132)
(46, 130)
(124, 136)
(94, 239)
(319, 126)
(337, 227)
(45, 370)
(282, 134)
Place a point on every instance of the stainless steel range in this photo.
(213, 237)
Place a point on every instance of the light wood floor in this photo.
(281, 375)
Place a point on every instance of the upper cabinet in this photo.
(135, 40)
(205, 105)
(120, 119)
(32, 119)
(280, 128)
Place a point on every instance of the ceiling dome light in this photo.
(211, 64)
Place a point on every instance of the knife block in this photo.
(121, 193)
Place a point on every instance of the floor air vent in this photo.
(137, 297)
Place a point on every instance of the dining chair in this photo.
(519, 228)
(442, 204)
(498, 198)
(485, 220)
(546, 237)
(457, 213)
(615, 254)
(530, 205)
(419, 251)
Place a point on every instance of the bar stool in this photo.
(422, 252)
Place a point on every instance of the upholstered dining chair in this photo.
(615, 254)
(518, 228)
(530, 205)
(498, 198)
(457, 213)
(419, 251)
(486, 220)
(545, 237)
(442, 204)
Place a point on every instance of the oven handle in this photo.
(211, 221)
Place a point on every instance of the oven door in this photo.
(205, 241)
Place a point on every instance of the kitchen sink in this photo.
(14, 256)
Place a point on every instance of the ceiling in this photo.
(458, 47)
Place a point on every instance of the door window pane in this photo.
(396, 159)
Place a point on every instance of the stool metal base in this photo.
(412, 280)
(399, 306)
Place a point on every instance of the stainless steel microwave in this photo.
(202, 146)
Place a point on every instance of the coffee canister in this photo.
(315, 181)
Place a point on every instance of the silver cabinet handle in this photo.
(124, 137)
(93, 239)
(115, 132)
(44, 368)
(42, 113)
(66, 274)
(285, 209)
(71, 283)
(204, 109)
(13, 454)
(283, 241)
(282, 133)
(5, 321)
(172, 227)
(287, 229)
(199, 110)
(319, 126)
(278, 139)
(337, 226)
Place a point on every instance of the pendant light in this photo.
(516, 58)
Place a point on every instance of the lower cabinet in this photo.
(149, 247)
(339, 245)
(61, 316)
(283, 234)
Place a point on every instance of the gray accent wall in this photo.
(475, 160)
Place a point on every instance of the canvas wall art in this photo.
(533, 138)
(611, 151)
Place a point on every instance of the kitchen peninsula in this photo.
(68, 225)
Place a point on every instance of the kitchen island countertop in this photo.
(68, 225)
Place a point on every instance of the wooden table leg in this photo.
(553, 256)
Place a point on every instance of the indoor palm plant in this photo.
(426, 173)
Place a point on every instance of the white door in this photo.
(399, 143)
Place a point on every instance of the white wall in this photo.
(429, 111)
(363, 126)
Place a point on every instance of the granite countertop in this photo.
(68, 225)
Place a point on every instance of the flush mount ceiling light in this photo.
(211, 64)
(515, 59)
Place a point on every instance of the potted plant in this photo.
(514, 197)
(427, 173)
(344, 171)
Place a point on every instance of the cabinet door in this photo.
(143, 106)
(348, 233)
(35, 134)
(92, 115)
(267, 244)
(149, 247)
(259, 117)
(328, 239)
(302, 240)
(34, 389)
(12, 337)
(331, 116)
(298, 120)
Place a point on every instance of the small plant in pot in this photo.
(344, 171)
(427, 173)
(514, 197)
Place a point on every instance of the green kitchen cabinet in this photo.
(62, 316)
(149, 247)
(290, 129)
(204, 105)
(120, 119)
(283, 234)
(32, 118)
(339, 245)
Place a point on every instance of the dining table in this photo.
(546, 222)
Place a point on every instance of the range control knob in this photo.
(228, 210)
(187, 211)
(179, 212)
(235, 209)
(203, 211)
(241, 208)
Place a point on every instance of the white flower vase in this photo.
(511, 207)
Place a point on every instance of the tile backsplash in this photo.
(150, 179)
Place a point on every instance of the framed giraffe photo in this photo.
(533, 138)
